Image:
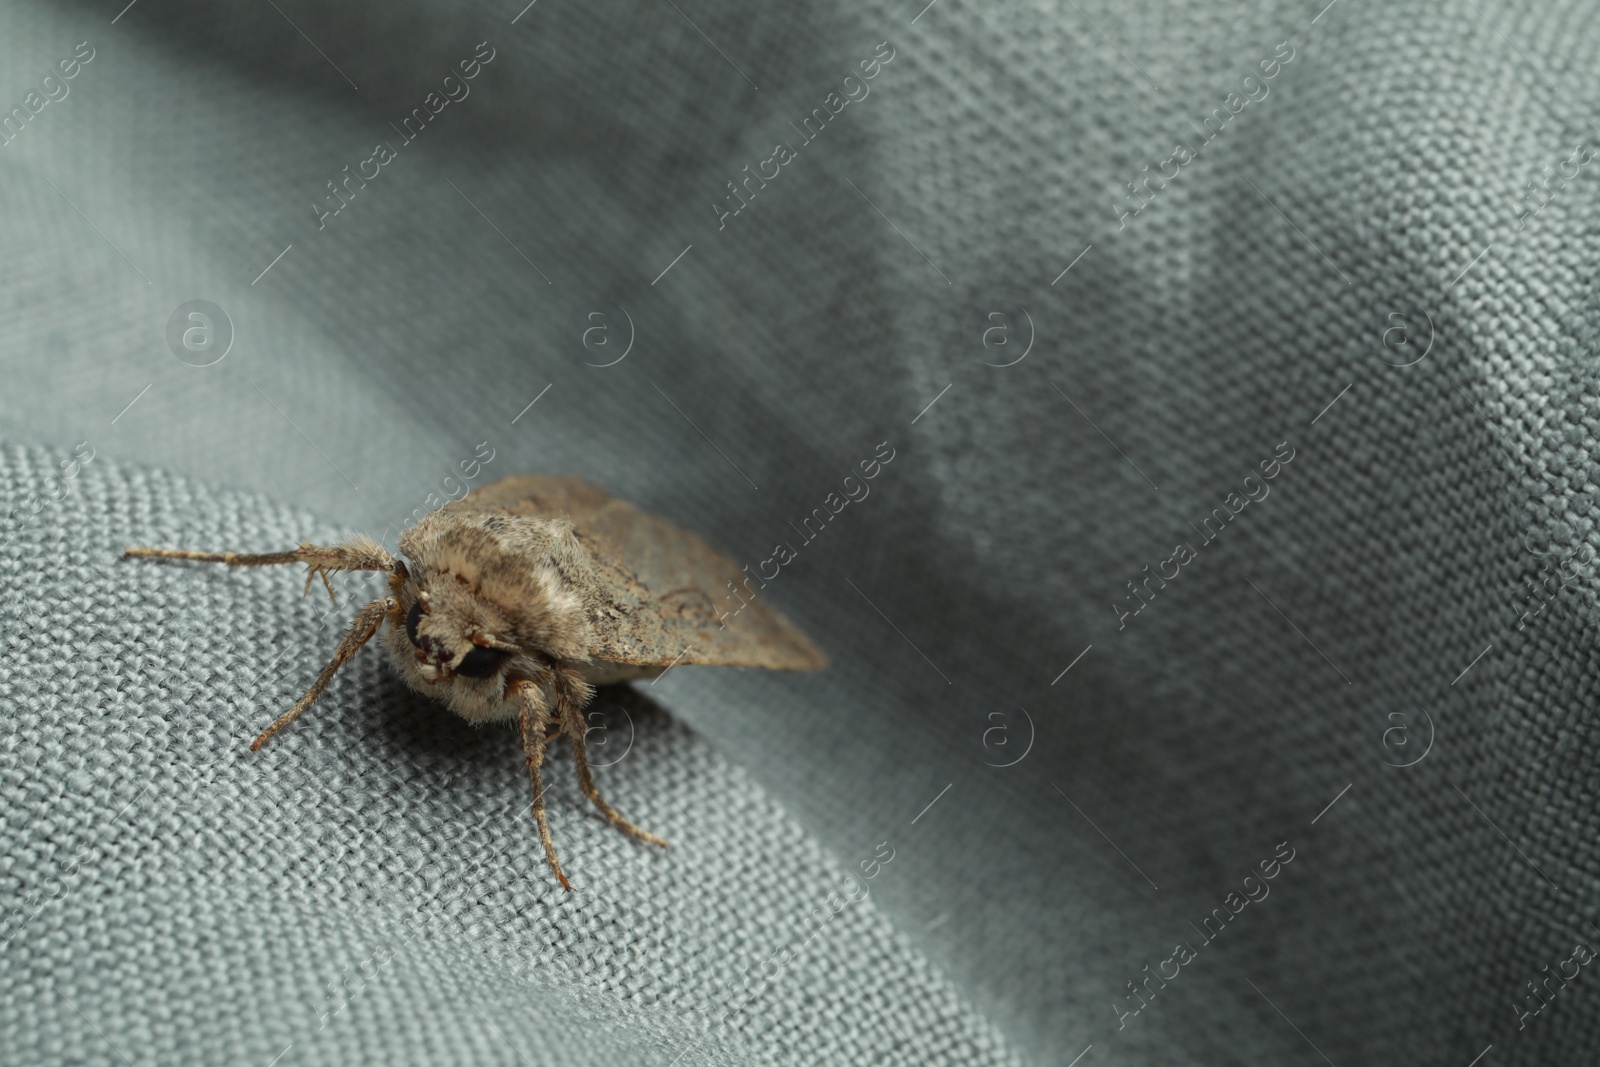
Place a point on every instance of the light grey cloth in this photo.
(370, 887)
(1361, 212)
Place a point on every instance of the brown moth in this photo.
(516, 600)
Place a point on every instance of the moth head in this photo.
(453, 632)
(479, 594)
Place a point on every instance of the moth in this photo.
(515, 601)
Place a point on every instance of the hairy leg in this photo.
(572, 693)
(351, 554)
(366, 624)
(535, 717)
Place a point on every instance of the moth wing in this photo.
(667, 588)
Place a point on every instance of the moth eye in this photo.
(413, 617)
(481, 662)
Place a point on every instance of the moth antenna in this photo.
(361, 630)
(352, 554)
(232, 559)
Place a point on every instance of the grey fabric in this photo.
(369, 888)
(1362, 212)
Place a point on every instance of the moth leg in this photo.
(572, 693)
(361, 630)
(351, 554)
(535, 718)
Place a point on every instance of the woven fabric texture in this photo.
(1236, 362)
(370, 887)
